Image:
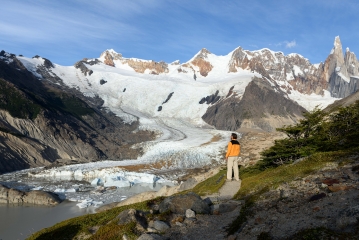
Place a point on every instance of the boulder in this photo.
(190, 213)
(180, 203)
(232, 237)
(209, 200)
(41, 198)
(190, 183)
(160, 226)
(9, 195)
(228, 206)
(132, 215)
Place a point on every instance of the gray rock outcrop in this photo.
(132, 215)
(160, 226)
(341, 71)
(256, 109)
(14, 196)
(180, 203)
(338, 74)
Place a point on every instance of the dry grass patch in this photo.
(210, 185)
(215, 138)
(149, 166)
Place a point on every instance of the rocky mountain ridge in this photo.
(338, 74)
(40, 122)
(288, 75)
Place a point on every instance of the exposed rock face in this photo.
(200, 61)
(50, 124)
(351, 63)
(138, 65)
(341, 72)
(141, 67)
(168, 97)
(261, 107)
(338, 74)
(336, 63)
(80, 65)
(340, 88)
(109, 58)
(211, 99)
(47, 62)
(293, 68)
(14, 196)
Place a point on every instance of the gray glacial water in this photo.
(19, 222)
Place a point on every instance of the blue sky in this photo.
(66, 31)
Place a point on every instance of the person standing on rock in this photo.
(232, 155)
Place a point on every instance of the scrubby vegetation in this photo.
(319, 131)
(27, 105)
(321, 138)
(16, 103)
(69, 104)
(256, 181)
(106, 223)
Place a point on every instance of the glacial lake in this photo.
(19, 222)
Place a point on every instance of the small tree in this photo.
(302, 140)
(318, 131)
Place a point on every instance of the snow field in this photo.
(184, 139)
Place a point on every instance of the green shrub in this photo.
(16, 103)
(319, 131)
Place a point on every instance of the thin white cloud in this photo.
(287, 44)
(290, 44)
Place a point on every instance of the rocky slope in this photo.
(325, 199)
(41, 122)
(344, 102)
(255, 109)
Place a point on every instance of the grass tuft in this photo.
(210, 185)
(115, 231)
(255, 180)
